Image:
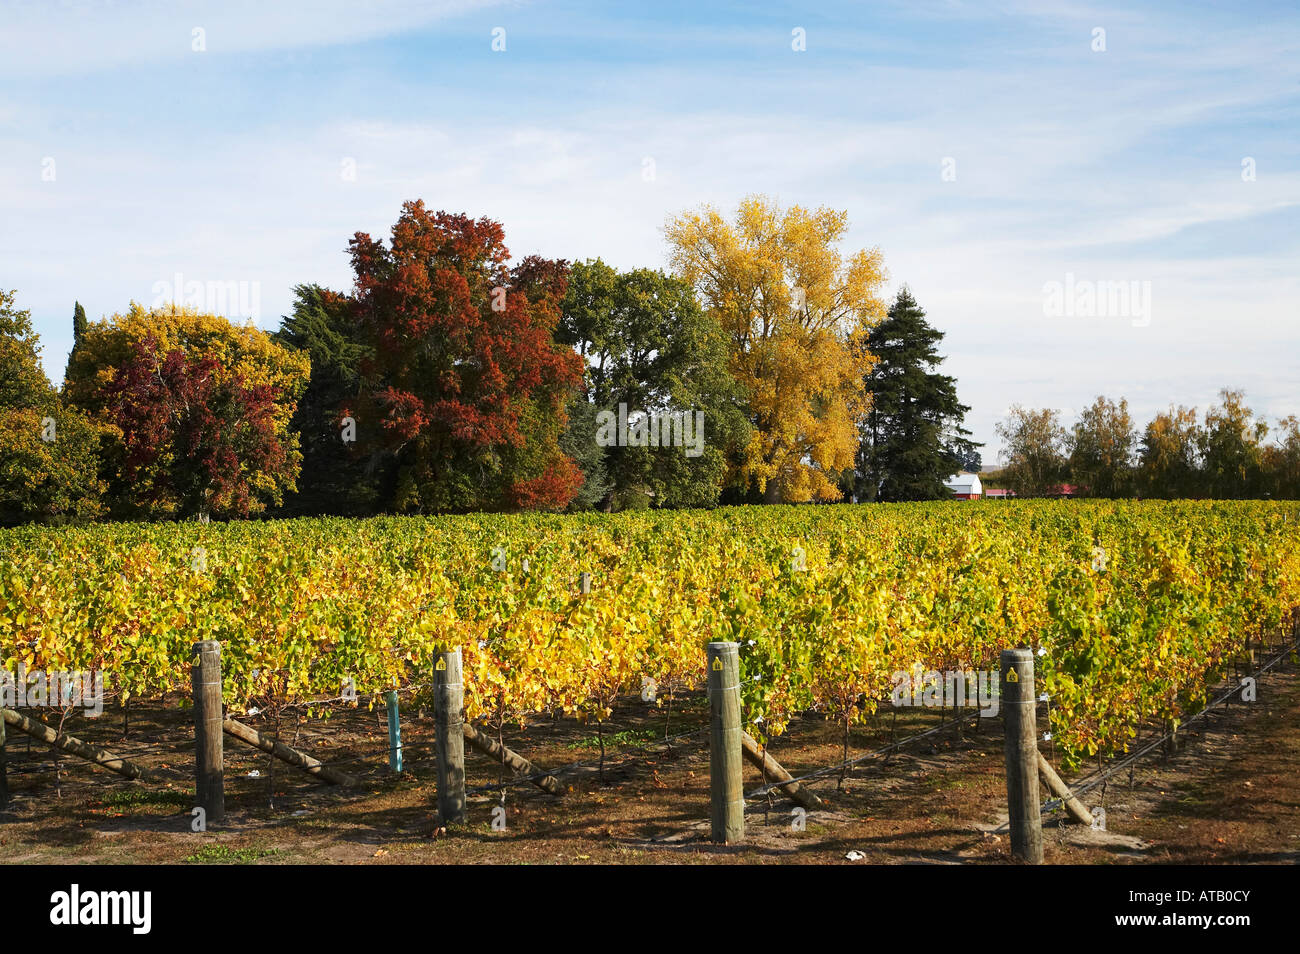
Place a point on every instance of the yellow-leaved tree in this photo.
(796, 312)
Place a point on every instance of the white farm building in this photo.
(965, 486)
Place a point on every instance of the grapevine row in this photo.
(1135, 607)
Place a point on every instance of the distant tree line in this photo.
(1229, 453)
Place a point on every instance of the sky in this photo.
(1009, 159)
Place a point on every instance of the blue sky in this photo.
(1122, 165)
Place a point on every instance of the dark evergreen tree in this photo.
(913, 437)
(579, 442)
(78, 329)
(970, 460)
(338, 476)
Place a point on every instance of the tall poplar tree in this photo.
(793, 309)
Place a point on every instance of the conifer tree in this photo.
(913, 436)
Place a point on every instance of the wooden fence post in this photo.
(209, 778)
(448, 701)
(584, 583)
(1021, 748)
(4, 769)
(394, 732)
(726, 770)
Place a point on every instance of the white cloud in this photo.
(41, 37)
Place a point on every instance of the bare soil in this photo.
(1230, 795)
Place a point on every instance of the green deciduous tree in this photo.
(650, 348)
(579, 442)
(22, 382)
(1231, 444)
(48, 465)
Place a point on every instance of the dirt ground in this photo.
(1230, 795)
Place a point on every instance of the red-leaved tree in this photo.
(467, 386)
(193, 441)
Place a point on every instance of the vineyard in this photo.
(1133, 609)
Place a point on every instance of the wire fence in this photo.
(1101, 775)
(622, 754)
